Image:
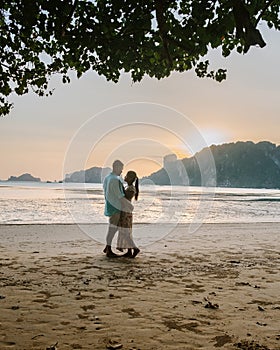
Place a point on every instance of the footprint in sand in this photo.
(7, 343)
(88, 307)
(179, 326)
(221, 340)
(132, 312)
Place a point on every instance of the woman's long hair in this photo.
(137, 188)
(132, 175)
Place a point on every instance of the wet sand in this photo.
(216, 288)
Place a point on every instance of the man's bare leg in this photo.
(112, 229)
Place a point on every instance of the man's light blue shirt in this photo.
(113, 192)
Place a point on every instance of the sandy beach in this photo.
(216, 288)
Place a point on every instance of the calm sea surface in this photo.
(30, 203)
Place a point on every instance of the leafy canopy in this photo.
(154, 37)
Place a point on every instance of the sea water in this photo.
(45, 203)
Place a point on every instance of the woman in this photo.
(125, 240)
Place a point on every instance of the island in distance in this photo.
(24, 177)
(92, 175)
(238, 165)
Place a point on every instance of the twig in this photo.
(68, 20)
(38, 335)
(263, 11)
(162, 28)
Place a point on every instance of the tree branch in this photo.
(68, 20)
(244, 27)
(162, 28)
(263, 11)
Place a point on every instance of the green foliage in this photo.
(40, 38)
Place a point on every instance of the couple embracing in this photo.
(119, 209)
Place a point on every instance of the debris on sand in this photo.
(210, 305)
(112, 345)
(52, 347)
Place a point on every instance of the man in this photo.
(115, 201)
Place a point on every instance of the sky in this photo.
(91, 122)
